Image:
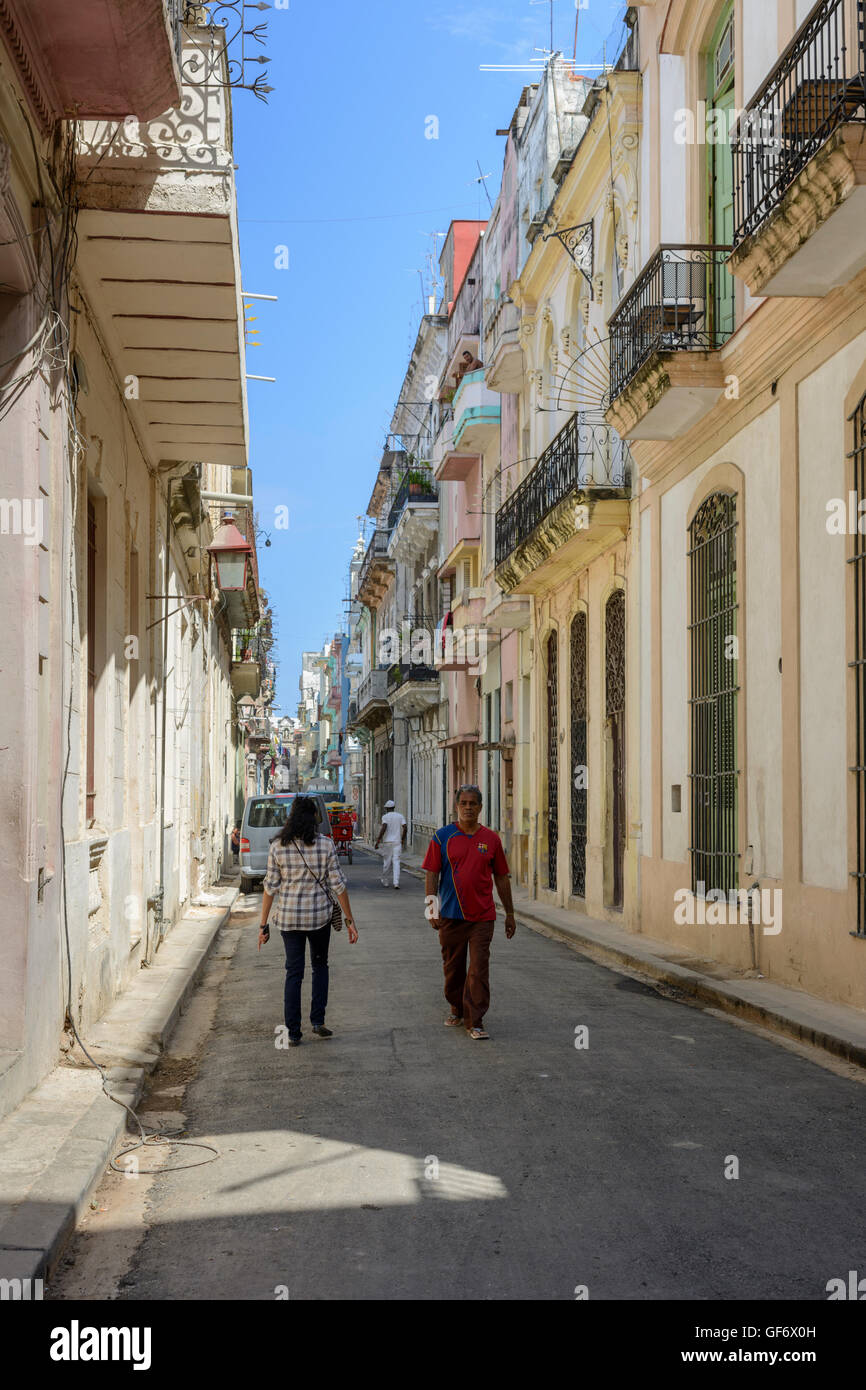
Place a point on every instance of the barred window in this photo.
(578, 755)
(713, 702)
(552, 756)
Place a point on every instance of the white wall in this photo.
(646, 740)
(759, 49)
(646, 170)
(824, 474)
(672, 157)
(675, 666)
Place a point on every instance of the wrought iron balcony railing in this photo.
(377, 550)
(680, 302)
(403, 671)
(374, 686)
(417, 485)
(247, 646)
(818, 84)
(582, 456)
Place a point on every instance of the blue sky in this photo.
(337, 169)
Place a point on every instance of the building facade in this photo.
(739, 377)
(120, 771)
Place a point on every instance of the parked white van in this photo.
(264, 818)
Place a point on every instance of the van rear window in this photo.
(268, 815)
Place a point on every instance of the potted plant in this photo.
(419, 482)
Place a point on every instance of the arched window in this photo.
(552, 757)
(713, 700)
(579, 771)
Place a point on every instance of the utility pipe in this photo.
(231, 499)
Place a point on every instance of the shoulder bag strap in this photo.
(329, 895)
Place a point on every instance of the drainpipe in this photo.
(535, 861)
(752, 944)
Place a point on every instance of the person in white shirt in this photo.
(393, 832)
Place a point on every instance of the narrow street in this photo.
(400, 1160)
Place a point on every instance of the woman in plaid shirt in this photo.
(302, 909)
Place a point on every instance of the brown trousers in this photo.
(467, 991)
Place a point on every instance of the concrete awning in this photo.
(168, 289)
(159, 262)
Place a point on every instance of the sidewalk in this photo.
(55, 1146)
(792, 1012)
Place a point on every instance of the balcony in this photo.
(372, 699)
(159, 258)
(414, 515)
(503, 354)
(800, 162)
(452, 464)
(247, 662)
(571, 507)
(412, 688)
(377, 570)
(92, 59)
(665, 368)
(461, 646)
(476, 415)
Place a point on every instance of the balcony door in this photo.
(720, 173)
(552, 756)
(578, 755)
(614, 643)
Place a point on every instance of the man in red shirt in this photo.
(462, 863)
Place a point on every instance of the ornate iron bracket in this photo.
(578, 242)
(202, 68)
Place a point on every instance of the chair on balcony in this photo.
(684, 301)
(819, 104)
(675, 319)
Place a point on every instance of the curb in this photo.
(729, 998)
(33, 1237)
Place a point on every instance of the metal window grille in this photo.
(713, 701)
(858, 665)
(578, 755)
(552, 757)
(614, 623)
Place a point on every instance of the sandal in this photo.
(477, 1033)
(452, 1021)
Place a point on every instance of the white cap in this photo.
(388, 804)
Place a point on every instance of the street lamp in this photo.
(231, 552)
(246, 710)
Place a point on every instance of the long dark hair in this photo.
(302, 822)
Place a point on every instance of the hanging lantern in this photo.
(231, 552)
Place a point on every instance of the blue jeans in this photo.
(295, 943)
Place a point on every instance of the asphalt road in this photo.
(401, 1160)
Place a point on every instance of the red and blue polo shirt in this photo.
(466, 865)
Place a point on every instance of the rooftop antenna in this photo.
(482, 180)
(550, 3)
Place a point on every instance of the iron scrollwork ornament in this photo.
(204, 67)
(578, 242)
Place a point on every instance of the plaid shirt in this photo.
(299, 903)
